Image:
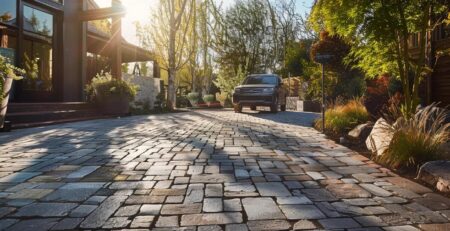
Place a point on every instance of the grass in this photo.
(417, 140)
(342, 118)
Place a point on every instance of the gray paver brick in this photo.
(298, 212)
(99, 216)
(45, 210)
(261, 209)
(205, 170)
(211, 219)
(339, 223)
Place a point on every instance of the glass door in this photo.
(37, 58)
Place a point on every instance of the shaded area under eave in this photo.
(103, 46)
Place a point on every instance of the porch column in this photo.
(116, 54)
(156, 70)
(74, 52)
(3, 37)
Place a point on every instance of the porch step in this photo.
(35, 107)
(24, 115)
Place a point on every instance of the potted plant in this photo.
(193, 98)
(209, 99)
(8, 73)
(111, 95)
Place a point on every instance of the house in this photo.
(62, 45)
(438, 85)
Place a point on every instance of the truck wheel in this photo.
(238, 108)
(253, 108)
(283, 107)
(274, 108)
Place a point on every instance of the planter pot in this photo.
(114, 105)
(194, 103)
(309, 106)
(4, 104)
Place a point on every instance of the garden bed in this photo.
(360, 147)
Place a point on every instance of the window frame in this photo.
(16, 26)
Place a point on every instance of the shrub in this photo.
(342, 118)
(379, 94)
(182, 102)
(208, 99)
(193, 98)
(7, 70)
(418, 139)
(103, 86)
(224, 99)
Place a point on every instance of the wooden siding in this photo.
(440, 82)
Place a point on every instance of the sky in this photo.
(139, 10)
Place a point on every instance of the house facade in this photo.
(62, 45)
(438, 85)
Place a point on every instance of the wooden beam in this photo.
(103, 13)
(116, 57)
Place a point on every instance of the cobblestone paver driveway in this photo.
(204, 170)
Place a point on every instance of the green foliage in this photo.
(209, 98)
(227, 80)
(343, 118)
(8, 70)
(182, 101)
(103, 86)
(224, 99)
(379, 32)
(194, 98)
(241, 35)
(297, 58)
(341, 80)
(417, 139)
(125, 68)
(331, 45)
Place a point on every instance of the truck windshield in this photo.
(261, 80)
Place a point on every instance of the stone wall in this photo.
(291, 103)
(148, 91)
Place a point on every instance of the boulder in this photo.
(437, 174)
(362, 131)
(380, 137)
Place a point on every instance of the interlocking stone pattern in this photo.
(202, 170)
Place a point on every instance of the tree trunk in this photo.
(171, 94)
(172, 64)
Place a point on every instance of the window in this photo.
(37, 21)
(273, 80)
(38, 64)
(59, 1)
(8, 12)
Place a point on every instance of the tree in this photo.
(296, 58)
(243, 35)
(169, 40)
(347, 82)
(227, 80)
(379, 31)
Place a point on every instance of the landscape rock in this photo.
(437, 174)
(362, 131)
(380, 137)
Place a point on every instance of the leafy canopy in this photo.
(379, 32)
